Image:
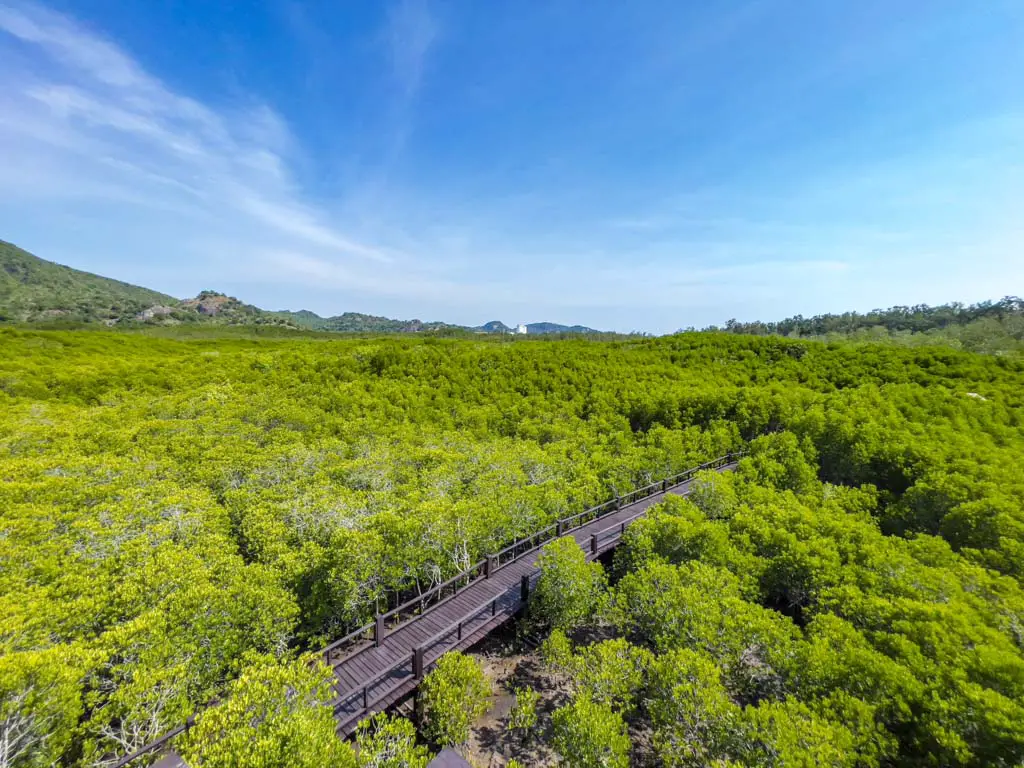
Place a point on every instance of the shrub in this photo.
(590, 735)
(389, 742)
(453, 695)
(713, 493)
(274, 715)
(569, 587)
(524, 712)
(556, 651)
(612, 672)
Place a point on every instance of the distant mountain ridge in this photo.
(33, 290)
(495, 326)
(358, 322)
(556, 328)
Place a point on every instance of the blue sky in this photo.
(628, 166)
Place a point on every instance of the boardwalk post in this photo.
(664, 485)
(375, 673)
(622, 528)
(524, 588)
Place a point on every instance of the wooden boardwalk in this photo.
(382, 663)
(374, 677)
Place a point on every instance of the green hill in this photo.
(357, 322)
(557, 328)
(34, 290)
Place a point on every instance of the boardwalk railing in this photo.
(352, 705)
(372, 634)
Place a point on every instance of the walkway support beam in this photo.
(382, 673)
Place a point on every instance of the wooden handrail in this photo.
(363, 690)
(419, 649)
(539, 534)
(155, 745)
(619, 526)
(608, 505)
(350, 636)
(598, 511)
(430, 592)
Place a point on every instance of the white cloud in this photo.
(82, 119)
(72, 45)
(103, 162)
(309, 271)
(411, 31)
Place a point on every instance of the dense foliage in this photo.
(176, 511)
(590, 735)
(383, 741)
(991, 327)
(769, 621)
(274, 715)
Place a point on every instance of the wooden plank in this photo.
(365, 668)
(478, 594)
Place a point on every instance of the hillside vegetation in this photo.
(356, 322)
(179, 513)
(33, 290)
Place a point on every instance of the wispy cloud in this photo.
(410, 33)
(107, 166)
(101, 127)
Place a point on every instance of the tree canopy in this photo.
(993, 327)
(174, 508)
